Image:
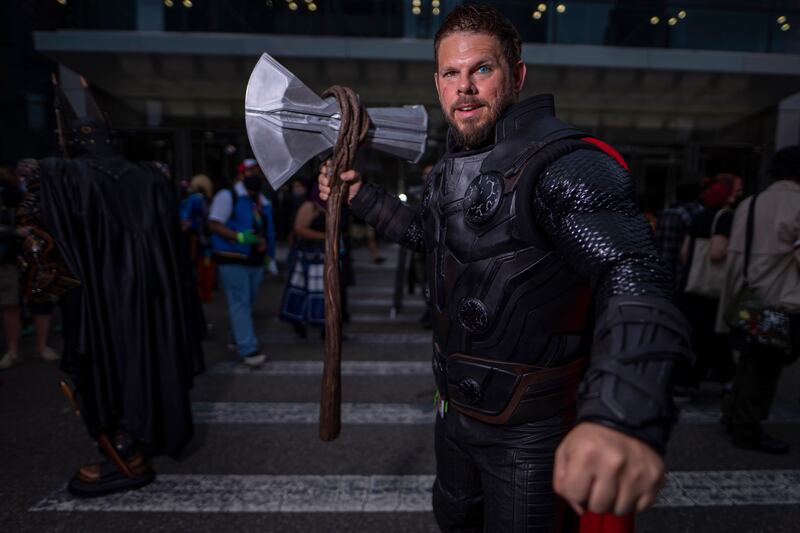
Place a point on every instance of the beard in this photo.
(473, 132)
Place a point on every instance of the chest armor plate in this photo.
(494, 295)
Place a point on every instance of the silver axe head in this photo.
(288, 124)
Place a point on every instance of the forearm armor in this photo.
(637, 340)
(389, 216)
(587, 206)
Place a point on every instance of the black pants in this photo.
(498, 478)
(754, 389)
(713, 355)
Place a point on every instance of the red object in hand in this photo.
(606, 523)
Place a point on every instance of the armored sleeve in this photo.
(392, 218)
(586, 203)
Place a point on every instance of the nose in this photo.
(465, 85)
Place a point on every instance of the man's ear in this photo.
(436, 81)
(518, 72)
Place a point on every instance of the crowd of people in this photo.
(702, 239)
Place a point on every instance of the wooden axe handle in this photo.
(330, 402)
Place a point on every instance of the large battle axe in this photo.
(288, 125)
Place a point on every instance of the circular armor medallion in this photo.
(473, 315)
(470, 389)
(483, 198)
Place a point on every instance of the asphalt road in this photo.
(257, 463)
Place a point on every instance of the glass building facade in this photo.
(181, 103)
(744, 25)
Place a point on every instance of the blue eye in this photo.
(484, 69)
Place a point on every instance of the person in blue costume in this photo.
(243, 242)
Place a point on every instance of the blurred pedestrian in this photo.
(243, 243)
(773, 278)
(10, 296)
(194, 222)
(303, 300)
(673, 226)
(703, 252)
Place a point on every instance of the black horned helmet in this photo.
(82, 135)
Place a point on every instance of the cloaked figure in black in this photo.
(104, 238)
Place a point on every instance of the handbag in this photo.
(753, 323)
(706, 277)
(304, 297)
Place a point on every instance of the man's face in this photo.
(475, 84)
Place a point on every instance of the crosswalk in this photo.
(380, 353)
(392, 494)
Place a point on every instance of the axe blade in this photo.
(288, 124)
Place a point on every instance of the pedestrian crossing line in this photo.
(374, 318)
(308, 413)
(370, 289)
(368, 266)
(384, 413)
(690, 414)
(382, 318)
(385, 302)
(314, 368)
(358, 338)
(192, 493)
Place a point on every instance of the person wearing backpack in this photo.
(760, 302)
(243, 242)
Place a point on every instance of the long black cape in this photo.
(132, 339)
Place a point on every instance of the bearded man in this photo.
(554, 334)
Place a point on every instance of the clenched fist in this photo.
(351, 177)
(606, 471)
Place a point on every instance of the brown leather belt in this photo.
(498, 392)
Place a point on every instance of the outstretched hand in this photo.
(606, 471)
(351, 177)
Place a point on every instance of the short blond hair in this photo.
(202, 183)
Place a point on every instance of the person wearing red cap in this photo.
(243, 241)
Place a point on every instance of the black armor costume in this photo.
(532, 243)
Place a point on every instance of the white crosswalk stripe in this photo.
(358, 338)
(377, 494)
(314, 368)
(384, 413)
(386, 302)
(308, 413)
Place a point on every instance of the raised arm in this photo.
(391, 217)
